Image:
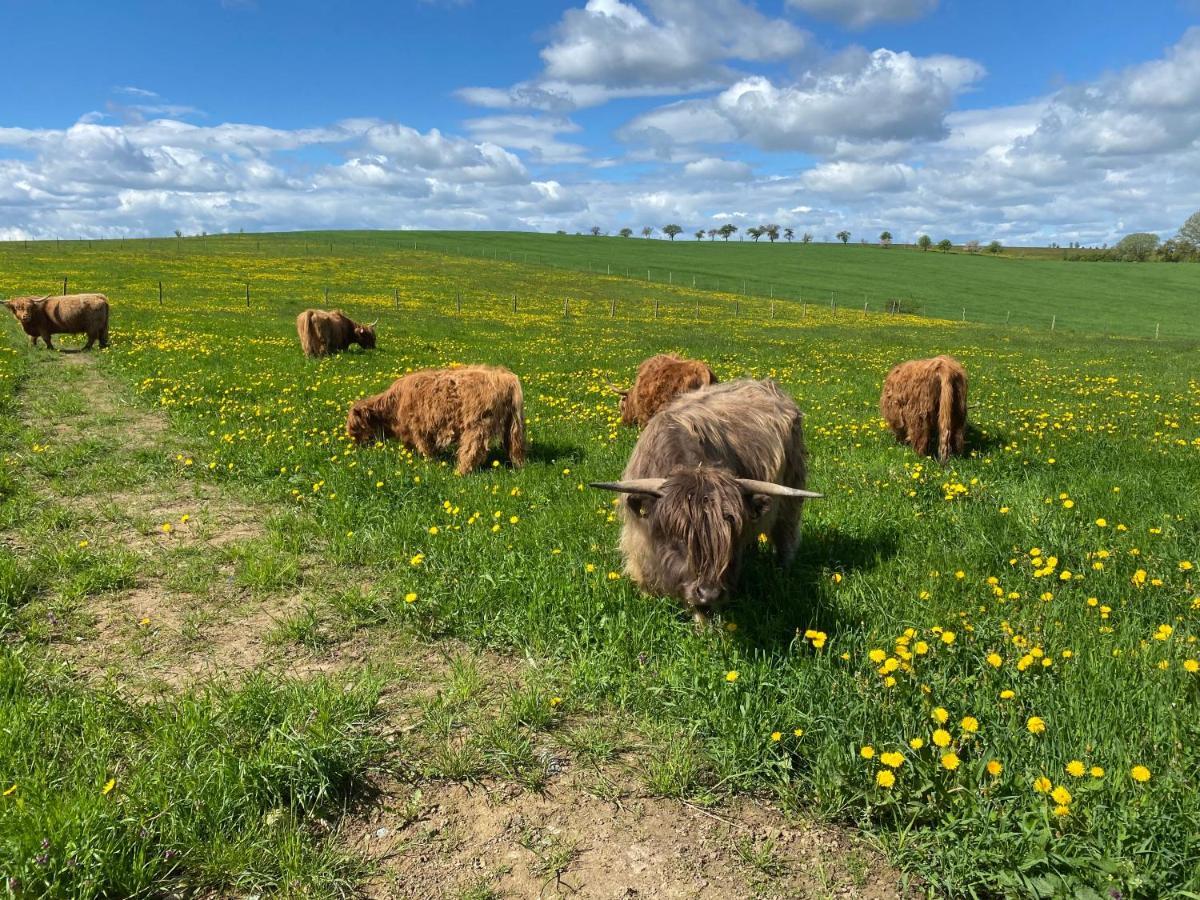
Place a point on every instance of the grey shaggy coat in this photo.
(688, 541)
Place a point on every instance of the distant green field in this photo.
(1117, 298)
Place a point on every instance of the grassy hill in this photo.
(991, 667)
(1121, 299)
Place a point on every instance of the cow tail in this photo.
(308, 337)
(947, 404)
(104, 327)
(514, 440)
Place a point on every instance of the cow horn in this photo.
(651, 486)
(372, 324)
(770, 489)
(617, 390)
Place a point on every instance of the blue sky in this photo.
(1028, 122)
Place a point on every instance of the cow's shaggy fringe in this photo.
(925, 404)
(434, 409)
(660, 379)
(324, 332)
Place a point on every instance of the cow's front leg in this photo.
(49, 343)
(33, 340)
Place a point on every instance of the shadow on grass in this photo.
(552, 452)
(773, 603)
(980, 441)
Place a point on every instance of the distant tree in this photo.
(626, 232)
(1190, 231)
(995, 247)
(772, 232)
(178, 233)
(1137, 247)
(1178, 249)
(924, 242)
(806, 238)
(886, 238)
(755, 232)
(844, 237)
(712, 234)
(727, 231)
(945, 246)
(971, 246)
(560, 231)
(595, 230)
(647, 231)
(789, 234)
(699, 234)
(672, 230)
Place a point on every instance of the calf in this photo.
(925, 404)
(42, 317)
(324, 332)
(435, 408)
(660, 379)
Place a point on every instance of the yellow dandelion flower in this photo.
(950, 761)
(1097, 772)
(884, 778)
(867, 752)
(940, 715)
(731, 676)
(892, 759)
(410, 597)
(1140, 774)
(10, 791)
(995, 660)
(1076, 769)
(995, 767)
(1035, 724)
(941, 737)
(917, 743)
(1061, 796)
(776, 735)
(108, 787)
(1062, 810)
(1042, 784)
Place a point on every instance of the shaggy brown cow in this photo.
(42, 317)
(925, 404)
(432, 409)
(324, 332)
(660, 379)
(709, 473)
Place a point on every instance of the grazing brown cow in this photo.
(925, 404)
(42, 317)
(324, 332)
(709, 473)
(435, 408)
(660, 379)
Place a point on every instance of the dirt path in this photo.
(452, 816)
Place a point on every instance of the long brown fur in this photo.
(434, 409)
(925, 404)
(42, 317)
(322, 332)
(660, 379)
(689, 541)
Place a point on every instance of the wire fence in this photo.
(736, 297)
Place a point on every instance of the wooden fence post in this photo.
(612, 308)
(64, 286)
(160, 293)
(1053, 320)
(247, 293)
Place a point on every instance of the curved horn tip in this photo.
(651, 486)
(770, 489)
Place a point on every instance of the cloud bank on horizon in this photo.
(715, 107)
